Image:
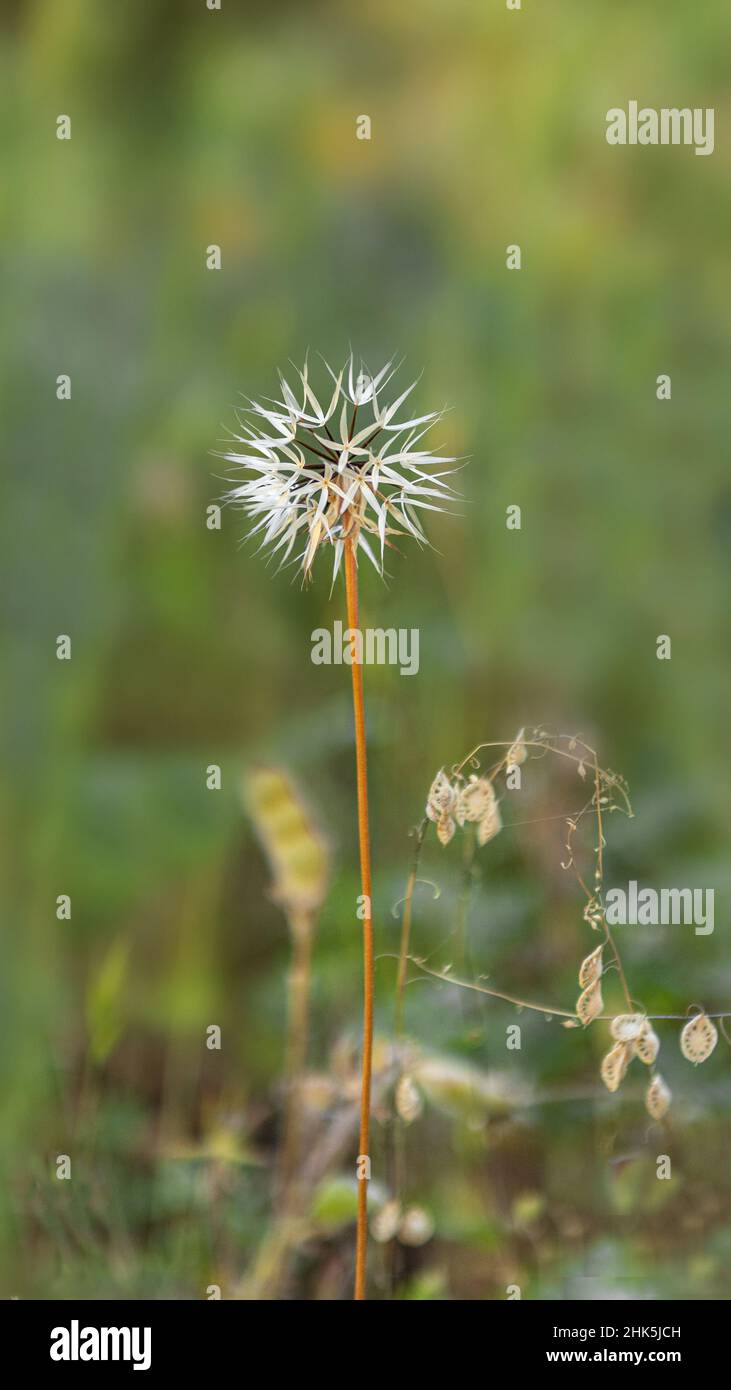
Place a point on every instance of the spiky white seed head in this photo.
(319, 474)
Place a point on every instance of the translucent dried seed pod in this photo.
(475, 800)
(441, 798)
(698, 1038)
(590, 1003)
(517, 753)
(409, 1100)
(647, 1044)
(490, 825)
(627, 1027)
(591, 967)
(658, 1098)
(446, 827)
(385, 1223)
(614, 1065)
(417, 1227)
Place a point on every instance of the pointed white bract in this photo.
(319, 471)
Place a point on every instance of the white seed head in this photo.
(317, 473)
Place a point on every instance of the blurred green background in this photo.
(192, 127)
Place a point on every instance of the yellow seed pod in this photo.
(296, 850)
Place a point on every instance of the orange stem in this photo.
(351, 592)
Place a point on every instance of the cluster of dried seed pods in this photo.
(634, 1036)
(590, 1003)
(450, 804)
(412, 1226)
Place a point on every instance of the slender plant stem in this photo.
(406, 930)
(351, 590)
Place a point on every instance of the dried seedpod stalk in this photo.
(347, 474)
(469, 792)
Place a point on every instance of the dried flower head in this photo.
(316, 474)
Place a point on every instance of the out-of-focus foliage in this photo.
(192, 127)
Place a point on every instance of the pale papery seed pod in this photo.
(475, 800)
(614, 1065)
(591, 967)
(590, 1003)
(446, 827)
(627, 1027)
(385, 1223)
(409, 1100)
(698, 1039)
(658, 1098)
(647, 1044)
(517, 753)
(490, 825)
(417, 1227)
(441, 798)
